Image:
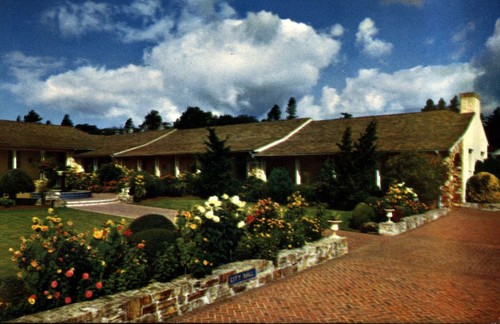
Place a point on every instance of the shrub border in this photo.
(162, 301)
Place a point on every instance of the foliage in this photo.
(66, 121)
(492, 129)
(424, 173)
(151, 221)
(403, 199)
(210, 234)
(365, 161)
(61, 266)
(490, 165)
(254, 189)
(291, 108)
(194, 117)
(483, 187)
(216, 175)
(109, 172)
(152, 121)
(15, 181)
(361, 214)
(137, 185)
(6, 202)
(274, 114)
(279, 184)
(32, 117)
(173, 186)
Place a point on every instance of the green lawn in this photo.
(15, 223)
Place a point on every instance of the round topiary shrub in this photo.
(151, 221)
(483, 187)
(109, 172)
(361, 214)
(15, 181)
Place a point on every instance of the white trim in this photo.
(281, 140)
(143, 145)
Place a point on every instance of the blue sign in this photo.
(242, 276)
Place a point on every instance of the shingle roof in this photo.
(20, 135)
(240, 138)
(429, 131)
(109, 145)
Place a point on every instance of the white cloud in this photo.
(337, 30)
(371, 46)
(493, 42)
(374, 92)
(416, 3)
(225, 66)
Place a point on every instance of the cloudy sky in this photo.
(103, 62)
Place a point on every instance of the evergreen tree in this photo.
(454, 104)
(429, 105)
(345, 186)
(66, 121)
(216, 177)
(492, 129)
(32, 117)
(274, 113)
(48, 122)
(441, 104)
(152, 121)
(291, 109)
(366, 161)
(194, 117)
(129, 126)
(346, 115)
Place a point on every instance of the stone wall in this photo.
(161, 301)
(410, 222)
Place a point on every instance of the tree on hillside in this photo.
(274, 113)
(231, 120)
(441, 104)
(66, 121)
(454, 105)
(90, 129)
(291, 109)
(194, 117)
(346, 115)
(32, 117)
(129, 126)
(216, 176)
(429, 105)
(152, 121)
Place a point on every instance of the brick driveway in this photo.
(445, 271)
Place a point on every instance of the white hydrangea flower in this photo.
(224, 196)
(201, 209)
(216, 219)
(236, 201)
(209, 214)
(241, 224)
(214, 200)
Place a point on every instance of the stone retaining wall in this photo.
(410, 222)
(161, 301)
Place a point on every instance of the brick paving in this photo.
(447, 271)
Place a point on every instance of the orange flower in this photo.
(32, 299)
(140, 245)
(70, 273)
(98, 285)
(85, 276)
(54, 284)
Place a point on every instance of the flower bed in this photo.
(162, 301)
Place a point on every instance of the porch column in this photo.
(298, 179)
(378, 179)
(157, 167)
(139, 165)
(176, 167)
(14, 159)
(94, 164)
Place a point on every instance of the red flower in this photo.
(88, 294)
(67, 300)
(85, 276)
(127, 232)
(98, 285)
(250, 219)
(54, 284)
(57, 295)
(70, 273)
(140, 245)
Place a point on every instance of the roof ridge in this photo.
(286, 137)
(145, 144)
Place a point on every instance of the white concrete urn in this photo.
(335, 227)
(389, 215)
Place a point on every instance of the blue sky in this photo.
(103, 62)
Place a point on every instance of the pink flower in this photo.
(85, 276)
(98, 285)
(67, 300)
(69, 273)
(54, 284)
(88, 294)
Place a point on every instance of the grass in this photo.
(15, 223)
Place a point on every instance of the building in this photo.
(299, 145)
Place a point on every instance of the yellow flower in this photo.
(205, 262)
(32, 299)
(35, 220)
(98, 235)
(193, 226)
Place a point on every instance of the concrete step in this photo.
(91, 202)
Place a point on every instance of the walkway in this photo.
(447, 271)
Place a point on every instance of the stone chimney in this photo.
(470, 102)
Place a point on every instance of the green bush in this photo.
(483, 187)
(174, 187)
(308, 192)
(109, 172)
(361, 214)
(254, 189)
(280, 185)
(15, 181)
(160, 250)
(6, 202)
(151, 221)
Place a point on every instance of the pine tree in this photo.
(429, 105)
(216, 177)
(32, 117)
(441, 104)
(66, 121)
(365, 161)
(129, 126)
(345, 195)
(274, 113)
(454, 104)
(291, 109)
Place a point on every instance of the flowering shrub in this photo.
(137, 186)
(60, 266)
(210, 234)
(83, 181)
(401, 198)
(483, 187)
